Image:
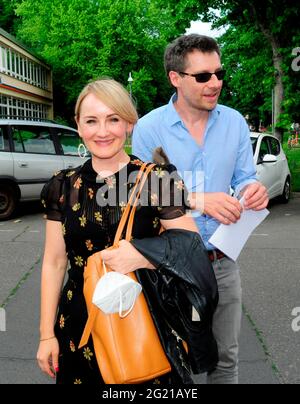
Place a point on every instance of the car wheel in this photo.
(285, 197)
(8, 202)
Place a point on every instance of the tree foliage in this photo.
(257, 51)
(8, 20)
(86, 39)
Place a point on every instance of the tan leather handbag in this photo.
(128, 350)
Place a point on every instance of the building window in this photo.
(21, 68)
(14, 108)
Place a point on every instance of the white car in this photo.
(30, 153)
(271, 165)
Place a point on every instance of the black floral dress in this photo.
(90, 209)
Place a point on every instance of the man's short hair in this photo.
(176, 51)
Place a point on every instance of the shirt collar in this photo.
(173, 117)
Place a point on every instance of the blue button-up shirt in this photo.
(223, 162)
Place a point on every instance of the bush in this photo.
(293, 156)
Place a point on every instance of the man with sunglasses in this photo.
(210, 146)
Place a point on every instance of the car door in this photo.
(6, 161)
(68, 141)
(35, 158)
(266, 172)
(280, 165)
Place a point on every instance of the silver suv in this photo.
(30, 153)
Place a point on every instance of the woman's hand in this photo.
(47, 356)
(125, 258)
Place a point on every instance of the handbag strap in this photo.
(132, 203)
(135, 203)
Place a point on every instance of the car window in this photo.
(69, 142)
(274, 146)
(264, 149)
(254, 144)
(3, 141)
(33, 140)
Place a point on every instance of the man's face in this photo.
(201, 96)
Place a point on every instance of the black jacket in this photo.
(184, 279)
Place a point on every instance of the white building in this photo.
(26, 89)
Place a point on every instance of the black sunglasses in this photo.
(205, 77)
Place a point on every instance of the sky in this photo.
(204, 28)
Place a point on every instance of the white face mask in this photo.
(116, 293)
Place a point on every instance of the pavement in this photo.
(20, 262)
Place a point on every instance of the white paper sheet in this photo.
(230, 239)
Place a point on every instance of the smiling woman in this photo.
(79, 226)
(104, 121)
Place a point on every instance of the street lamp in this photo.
(130, 80)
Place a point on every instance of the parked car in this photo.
(30, 153)
(272, 165)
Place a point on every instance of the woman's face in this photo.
(102, 130)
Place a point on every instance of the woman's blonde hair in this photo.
(113, 95)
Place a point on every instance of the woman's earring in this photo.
(82, 151)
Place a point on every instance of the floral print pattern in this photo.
(76, 207)
(98, 217)
(72, 346)
(87, 229)
(89, 245)
(79, 261)
(87, 353)
(77, 381)
(83, 221)
(91, 193)
(78, 183)
(62, 321)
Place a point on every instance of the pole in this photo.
(273, 113)
(130, 80)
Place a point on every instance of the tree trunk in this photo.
(277, 62)
(279, 88)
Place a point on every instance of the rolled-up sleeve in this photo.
(245, 171)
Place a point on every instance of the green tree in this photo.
(8, 19)
(274, 24)
(85, 39)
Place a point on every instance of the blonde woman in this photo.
(81, 223)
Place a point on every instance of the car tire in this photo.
(8, 201)
(285, 197)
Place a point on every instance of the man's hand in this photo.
(125, 259)
(256, 196)
(218, 205)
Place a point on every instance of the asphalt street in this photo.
(270, 267)
(270, 274)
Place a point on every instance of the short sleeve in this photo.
(168, 194)
(52, 197)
